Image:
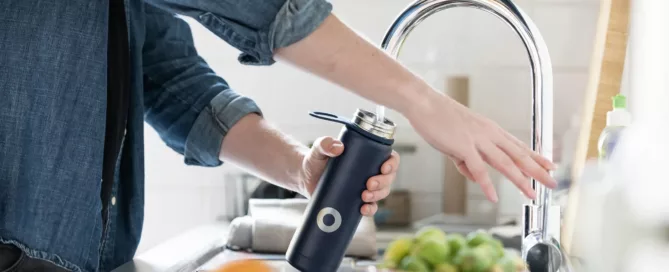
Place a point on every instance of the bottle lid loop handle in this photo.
(364, 130)
(330, 117)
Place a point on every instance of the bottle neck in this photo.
(368, 122)
(618, 118)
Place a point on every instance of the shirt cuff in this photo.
(203, 145)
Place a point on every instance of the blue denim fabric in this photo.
(53, 102)
(255, 27)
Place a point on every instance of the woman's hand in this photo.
(472, 141)
(378, 187)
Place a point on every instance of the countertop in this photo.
(185, 252)
(203, 249)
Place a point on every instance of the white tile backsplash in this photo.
(371, 18)
(568, 30)
(569, 92)
(480, 207)
(426, 175)
(493, 43)
(503, 95)
(439, 41)
(473, 189)
(425, 204)
(172, 210)
(511, 199)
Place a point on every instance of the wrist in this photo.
(418, 98)
(298, 176)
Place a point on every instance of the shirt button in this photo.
(113, 200)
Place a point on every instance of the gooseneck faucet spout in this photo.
(541, 219)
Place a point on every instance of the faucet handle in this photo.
(545, 255)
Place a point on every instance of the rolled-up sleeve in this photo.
(203, 144)
(255, 27)
(190, 107)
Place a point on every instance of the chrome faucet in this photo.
(541, 219)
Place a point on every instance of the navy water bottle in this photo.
(333, 214)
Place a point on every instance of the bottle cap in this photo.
(367, 121)
(619, 116)
(619, 101)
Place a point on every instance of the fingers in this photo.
(378, 187)
(479, 174)
(543, 161)
(527, 164)
(369, 209)
(377, 183)
(462, 168)
(381, 181)
(505, 165)
(373, 196)
(391, 164)
(326, 147)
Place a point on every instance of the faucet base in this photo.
(543, 253)
(539, 258)
(543, 257)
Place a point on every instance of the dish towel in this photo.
(271, 223)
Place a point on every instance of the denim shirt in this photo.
(53, 102)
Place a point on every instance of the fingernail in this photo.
(495, 198)
(387, 168)
(337, 144)
(375, 184)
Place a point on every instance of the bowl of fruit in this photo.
(432, 250)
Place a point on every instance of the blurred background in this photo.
(464, 52)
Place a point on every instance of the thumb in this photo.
(326, 147)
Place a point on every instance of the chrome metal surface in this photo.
(549, 252)
(530, 212)
(537, 215)
(368, 121)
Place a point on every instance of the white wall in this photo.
(454, 42)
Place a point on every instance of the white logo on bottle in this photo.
(321, 224)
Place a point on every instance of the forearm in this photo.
(257, 147)
(335, 52)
